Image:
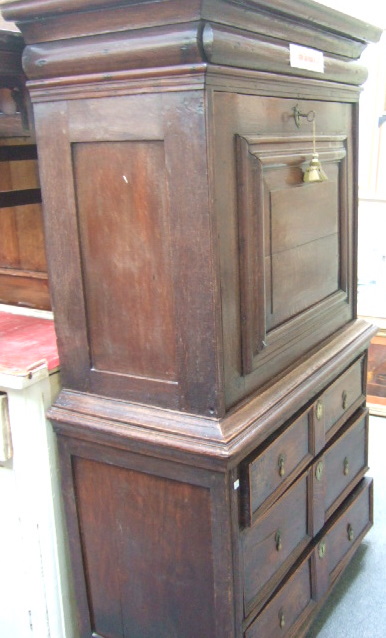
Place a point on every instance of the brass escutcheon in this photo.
(280, 463)
(319, 410)
(319, 471)
(281, 619)
(346, 466)
(278, 540)
(310, 116)
(350, 532)
(322, 549)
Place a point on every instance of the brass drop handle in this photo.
(281, 464)
(278, 540)
(350, 532)
(322, 549)
(281, 619)
(319, 471)
(344, 399)
(319, 410)
(346, 466)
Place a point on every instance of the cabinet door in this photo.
(286, 245)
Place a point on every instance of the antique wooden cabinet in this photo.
(23, 271)
(212, 424)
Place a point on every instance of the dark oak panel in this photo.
(268, 544)
(275, 465)
(29, 222)
(125, 249)
(283, 612)
(298, 228)
(149, 567)
(302, 277)
(303, 214)
(346, 459)
(353, 522)
(345, 392)
(24, 288)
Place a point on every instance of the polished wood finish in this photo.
(287, 606)
(272, 544)
(267, 475)
(211, 426)
(135, 173)
(160, 528)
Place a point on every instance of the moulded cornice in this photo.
(88, 37)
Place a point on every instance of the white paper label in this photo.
(305, 58)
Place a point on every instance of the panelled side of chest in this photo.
(151, 543)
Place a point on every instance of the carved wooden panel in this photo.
(293, 251)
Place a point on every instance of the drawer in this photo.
(347, 529)
(346, 460)
(306, 587)
(271, 545)
(285, 611)
(267, 475)
(342, 465)
(341, 398)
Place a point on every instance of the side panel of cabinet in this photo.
(286, 247)
(125, 248)
(150, 544)
(130, 247)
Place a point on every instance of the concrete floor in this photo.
(357, 606)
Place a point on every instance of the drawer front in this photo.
(344, 393)
(287, 607)
(275, 541)
(269, 473)
(348, 529)
(339, 469)
(346, 460)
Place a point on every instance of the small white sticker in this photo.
(305, 58)
(236, 484)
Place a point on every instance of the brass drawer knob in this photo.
(346, 466)
(350, 532)
(344, 399)
(319, 410)
(278, 540)
(281, 466)
(281, 619)
(322, 549)
(319, 471)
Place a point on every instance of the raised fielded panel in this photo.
(286, 246)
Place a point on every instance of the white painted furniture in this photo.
(35, 591)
